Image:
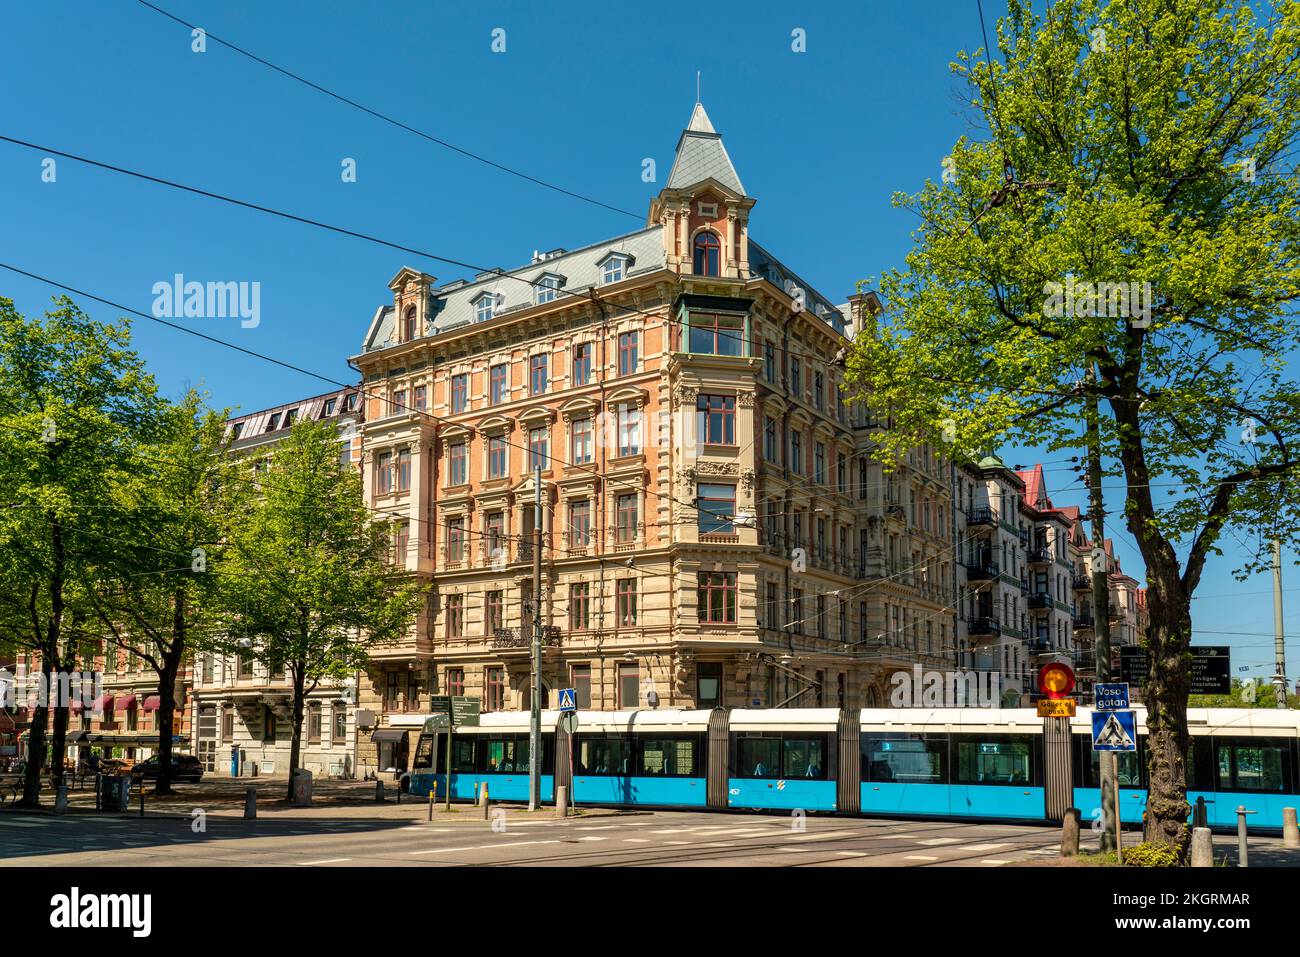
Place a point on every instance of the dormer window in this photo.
(274, 422)
(235, 431)
(485, 307)
(289, 417)
(613, 268)
(708, 254)
(547, 288)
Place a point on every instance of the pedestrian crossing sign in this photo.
(568, 699)
(1114, 731)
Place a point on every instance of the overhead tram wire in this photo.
(471, 267)
(477, 157)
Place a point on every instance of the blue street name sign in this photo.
(1110, 697)
(1114, 731)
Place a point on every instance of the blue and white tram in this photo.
(989, 764)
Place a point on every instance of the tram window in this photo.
(905, 758)
(994, 759)
(424, 752)
(671, 757)
(1128, 766)
(1200, 765)
(503, 755)
(758, 757)
(804, 758)
(611, 756)
(462, 755)
(1254, 764)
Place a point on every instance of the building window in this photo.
(459, 392)
(796, 451)
(209, 669)
(496, 537)
(421, 393)
(582, 435)
(497, 384)
(456, 539)
(841, 474)
(580, 606)
(715, 419)
(548, 287)
(404, 470)
(819, 463)
(627, 353)
(268, 725)
(245, 666)
(708, 684)
(485, 308)
(580, 676)
(582, 364)
(580, 523)
(383, 473)
(455, 616)
(796, 611)
(769, 361)
(819, 390)
(492, 613)
(717, 509)
(496, 456)
(769, 440)
(716, 335)
(627, 602)
(537, 374)
(274, 422)
(796, 378)
(495, 699)
(399, 400)
(458, 463)
(456, 681)
(408, 326)
(629, 685)
(629, 428)
(627, 517)
(313, 724)
(401, 542)
(538, 458)
(708, 254)
(339, 716)
(717, 597)
(227, 724)
(612, 271)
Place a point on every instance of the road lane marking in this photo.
(994, 861)
(328, 860)
(593, 839)
(445, 850)
(851, 853)
(919, 857)
(636, 840)
(820, 835)
(485, 847)
(984, 847)
(677, 843)
(935, 841)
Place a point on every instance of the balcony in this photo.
(1081, 582)
(981, 515)
(1040, 600)
(454, 556)
(983, 626)
(1083, 623)
(511, 639)
(981, 571)
(1040, 646)
(1040, 556)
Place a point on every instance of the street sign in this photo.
(440, 703)
(1056, 707)
(1114, 731)
(462, 709)
(1110, 697)
(568, 699)
(1211, 672)
(569, 722)
(1056, 679)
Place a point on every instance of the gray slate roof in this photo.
(701, 156)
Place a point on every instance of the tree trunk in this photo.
(166, 723)
(1168, 641)
(295, 747)
(59, 735)
(35, 757)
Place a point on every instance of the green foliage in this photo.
(1260, 694)
(1152, 854)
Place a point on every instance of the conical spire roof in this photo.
(701, 156)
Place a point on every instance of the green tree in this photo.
(305, 581)
(152, 594)
(1252, 693)
(74, 402)
(1146, 143)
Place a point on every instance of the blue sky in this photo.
(583, 93)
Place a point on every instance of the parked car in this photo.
(185, 767)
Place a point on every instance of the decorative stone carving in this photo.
(748, 477)
(717, 468)
(684, 395)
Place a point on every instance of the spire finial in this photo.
(697, 87)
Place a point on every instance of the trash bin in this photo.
(116, 793)
(302, 787)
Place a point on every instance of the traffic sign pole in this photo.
(535, 715)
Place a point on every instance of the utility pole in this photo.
(535, 716)
(1101, 611)
(1279, 644)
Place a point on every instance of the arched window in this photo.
(708, 255)
(409, 324)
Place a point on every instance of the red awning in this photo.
(76, 707)
(151, 703)
(123, 701)
(102, 702)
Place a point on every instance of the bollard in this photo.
(379, 791)
(142, 797)
(250, 803)
(1200, 818)
(1202, 847)
(1243, 855)
(432, 792)
(99, 791)
(485, 801)
(561, 801)
(1070, 833)
(61, 800)
(1290, 832)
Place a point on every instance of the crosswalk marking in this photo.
(328, 860)
(984, 847)
(935, 841)
(820, 835)
(994, 861)
(919, 857)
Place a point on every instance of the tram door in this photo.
(848, 784)
(717, 755)
(1058, 772)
